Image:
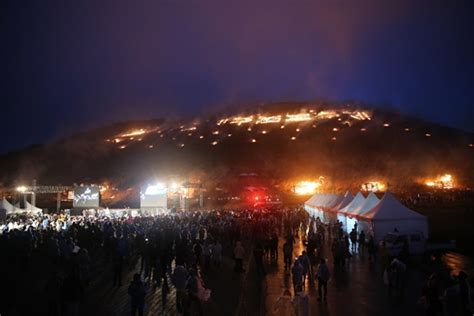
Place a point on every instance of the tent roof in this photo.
(324, 200)
(354, 204)
(389, 208)
(370, 201)
(346, 199)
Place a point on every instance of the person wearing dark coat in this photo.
(137, 293)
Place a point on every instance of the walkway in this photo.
(357, 291)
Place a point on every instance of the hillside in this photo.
(347, 145)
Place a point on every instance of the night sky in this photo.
(67, 66)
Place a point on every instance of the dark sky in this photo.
(72, 65)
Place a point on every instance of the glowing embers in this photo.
(239, 120)
(373, 186)
(358, 115)
(306, 187)
(301, 117)
(327, 115)
(442, 182)
(268, 119)
(135, 132)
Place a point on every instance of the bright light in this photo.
(373, 186)
(298, 117)
(215, 133)
(335, 129)
(428, 135)
(268, 119)
(282, 127)
(239, 120)
(21, 189)
(407, 129)
(254, 140)
(135, 132)
(156, 189)
(442, 182)
(363, 129)
(293, 138)
(334, 138)
(306, 187)
(201, 137)
(214, 143)
(386, 125)
(264, 132)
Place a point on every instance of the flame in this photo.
(306, 187)
(442, 182)
(326, 115)
(358, 115)
(135, 132)
(268, 119)
(298, 117)
(239, 120)
(373, 186)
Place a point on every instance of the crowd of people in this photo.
(178, 249)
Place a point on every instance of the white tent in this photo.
(390, 215)
(319, 205)
(31, 209)
(356, 202)
(9, 208)
(353, 215)
(347, 198)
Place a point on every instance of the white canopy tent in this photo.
(31, 209)
(319, 205)
(347, 198)
(356, 202)
(390, 215)
(9, 208)
(352, 216)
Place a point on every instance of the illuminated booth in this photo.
(154, 199)
(342, 214)
(390, 215)
(352, 216)
(321, 205)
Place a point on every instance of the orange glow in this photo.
(335, 129)
(268, 119)
(293, 138)
(298, 117)
(254, 140)
(326, 115)
(264, 132)
(373, 186)
(239, 120)
(135, 132)
(306, 187)
(282, 127)
(442, 182)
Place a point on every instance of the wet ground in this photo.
(359, 289)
